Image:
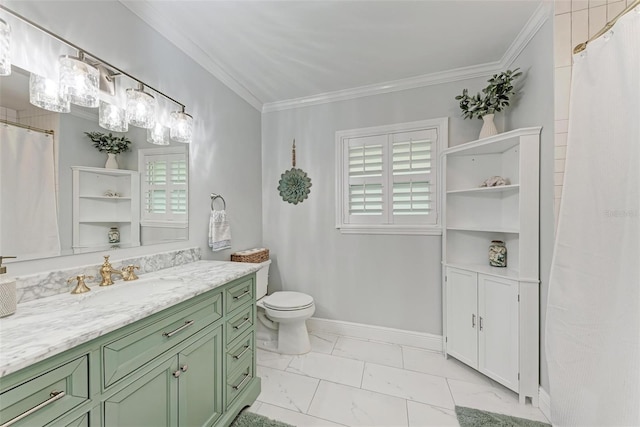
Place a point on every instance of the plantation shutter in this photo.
(164, 188)
(412, 182)
(364, 193)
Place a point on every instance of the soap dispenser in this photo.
(7, 291)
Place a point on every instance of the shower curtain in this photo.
(28, 210)
(593, 312)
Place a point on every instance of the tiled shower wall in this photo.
(575, 22)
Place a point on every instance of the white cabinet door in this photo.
(498, 329)
(462, 319)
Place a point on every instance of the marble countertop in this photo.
(48, 326)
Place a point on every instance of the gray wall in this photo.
(391, 281)
(225, 155)
(535, 108)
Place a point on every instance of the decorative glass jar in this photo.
(497, 254)
(114, 235)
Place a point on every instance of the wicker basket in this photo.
(251, 255)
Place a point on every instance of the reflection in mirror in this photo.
(59, 199)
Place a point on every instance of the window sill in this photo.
(164, 224)
(421, 230)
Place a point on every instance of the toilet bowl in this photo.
(281, 318)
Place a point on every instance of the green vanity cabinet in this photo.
(192, 364)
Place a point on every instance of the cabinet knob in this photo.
(185, 368)
(177, 373)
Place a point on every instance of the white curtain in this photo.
(28, 211)
(593, 313)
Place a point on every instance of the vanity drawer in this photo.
(240, 323)
(239, 294)
(238, 354)
(127, 353)
(48, 396)
(239, 380)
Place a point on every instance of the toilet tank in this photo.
(262, 279)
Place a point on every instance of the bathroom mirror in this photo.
(36, 183)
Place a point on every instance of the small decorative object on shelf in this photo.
(114, 235)
(497, 254)
(495, 181)
(495, 97)
(294, 185)
(111, 145)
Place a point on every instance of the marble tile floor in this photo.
(346, 381)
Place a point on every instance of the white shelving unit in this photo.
(491, 314)
(94, 213)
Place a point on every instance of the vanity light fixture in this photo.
(79, 81)
(88, 82)
(158, 134)
(181, 125)
(112, 117)
(45, 93)
(141, 107)
(5, 48)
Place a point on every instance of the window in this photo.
(164, 181)
(387, 178)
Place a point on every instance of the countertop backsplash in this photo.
(51, 283)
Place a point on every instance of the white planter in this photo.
(112, 163)
(488, 127)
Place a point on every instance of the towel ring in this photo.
(217, 196)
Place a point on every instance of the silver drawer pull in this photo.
(54, 395)
(242, 294)
(473, 320)
(175, 331)
(239, 386)
(238, 356)
(480, 322)
(246, 319)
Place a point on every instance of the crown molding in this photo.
(531, 28)
(527, 33)
(149, 14)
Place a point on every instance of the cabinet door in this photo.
(201, 380)
(149, 401)
(462, 319)
(498, 329)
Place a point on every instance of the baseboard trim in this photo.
(377, 333)
(544, 403)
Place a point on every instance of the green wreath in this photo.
(294, 186)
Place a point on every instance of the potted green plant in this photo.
(495, 97)
(111, 145)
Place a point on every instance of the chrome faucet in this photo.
(106, 270)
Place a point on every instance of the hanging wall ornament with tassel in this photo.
(294, 185)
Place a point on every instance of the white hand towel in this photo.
(219, 231)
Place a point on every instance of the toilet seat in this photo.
(287, 301)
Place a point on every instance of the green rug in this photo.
(469, 417)
(249, 419)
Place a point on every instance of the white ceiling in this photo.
(274, 51)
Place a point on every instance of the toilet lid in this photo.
(287, 301)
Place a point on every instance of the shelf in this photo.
(505, 273)
(105, 198)
(486, 229)
(492, 145)
(104, 221)
(480, 190)
(104, 171)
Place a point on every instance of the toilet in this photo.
(281, 317)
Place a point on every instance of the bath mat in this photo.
(469, 417)
(249, 419)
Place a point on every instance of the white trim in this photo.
(427, 230)
(149, 14)
(531, 28)
(91, 115)
(441, 77)
(527, 33)
(421, 340)
(544, 403)
(441, 125)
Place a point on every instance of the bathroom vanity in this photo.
(175, 348)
